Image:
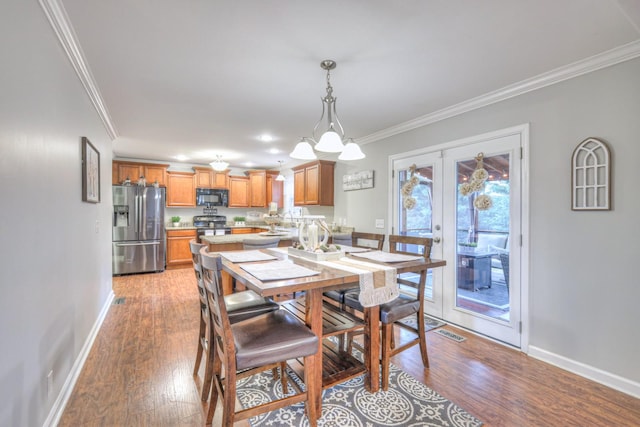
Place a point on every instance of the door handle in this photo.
(436, 240)
(138, 244)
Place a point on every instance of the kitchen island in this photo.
(233, 242)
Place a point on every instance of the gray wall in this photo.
(583, 279)
(55, 270)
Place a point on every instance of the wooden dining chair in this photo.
(240, 306)
(404, 306)
(251, 346)
(358, 240)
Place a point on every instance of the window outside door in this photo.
(475, 221)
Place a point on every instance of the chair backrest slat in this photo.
(357, 236)
(412, 245)
(400, 244)
(197, 267)
(219, 318)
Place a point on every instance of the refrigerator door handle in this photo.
(138, 244)
(138, 212)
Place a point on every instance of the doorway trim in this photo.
(523, 131)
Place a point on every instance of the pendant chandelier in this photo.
(332, 139)
(280, 177)
(218, 164)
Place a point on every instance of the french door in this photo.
(467, 196)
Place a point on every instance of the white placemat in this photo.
(246, 256)
(277, 270)
(381, 256)
(352, 249)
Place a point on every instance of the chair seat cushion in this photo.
(399, 308)
(338, 294)
(390, 312)
(246, 304)
(272, 337)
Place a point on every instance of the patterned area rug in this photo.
(429, 322)
(407, 403)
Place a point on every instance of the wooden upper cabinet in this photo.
(209, 178)
(220, 179)
(265, 189)
(258, 189)
(181, 189)
(152, 172)
(275, 189)
(238, 192)
(313, 183)
(298, 187)
(129, 171)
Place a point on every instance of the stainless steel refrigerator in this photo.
(138, 229)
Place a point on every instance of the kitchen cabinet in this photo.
(313, 183)
(209, 178)
(246, 230)
(264, 189)
(181, 189)
(239, 191)
(178, 249)
(152, 172)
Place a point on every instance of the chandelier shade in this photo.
(303, 151)
(351, 151)
(332, 137)
(218, 164)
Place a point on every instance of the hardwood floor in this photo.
(139, 371)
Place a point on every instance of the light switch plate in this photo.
(379, 223)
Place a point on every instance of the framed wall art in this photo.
(90, 172)
(591, 176)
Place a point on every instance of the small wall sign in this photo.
(357, 181)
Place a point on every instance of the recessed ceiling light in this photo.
(248, 164)
(274, 151)
(266, 138)
(181, 157)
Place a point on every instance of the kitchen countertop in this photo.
(239, 238)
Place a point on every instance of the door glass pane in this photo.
(415, 212)
(482, 234)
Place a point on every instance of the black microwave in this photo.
(212, 197)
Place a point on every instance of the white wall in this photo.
(55, 270)
(583, 269)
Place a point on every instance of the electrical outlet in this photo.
(97, 226)
(379, 223)
(50, 383)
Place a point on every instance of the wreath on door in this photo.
(482, 202)
(408, 201)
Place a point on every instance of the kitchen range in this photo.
(210, 225)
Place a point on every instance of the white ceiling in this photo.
(201, 78)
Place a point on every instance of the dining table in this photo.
(324, 278)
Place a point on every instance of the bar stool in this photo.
(358, 240)
(240, 306)
(250, 346)
(401, 307)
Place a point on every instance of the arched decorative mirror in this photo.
(591, 176)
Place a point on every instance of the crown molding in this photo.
(602, 60)
(59, 21)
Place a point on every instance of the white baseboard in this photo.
(605, 378)
(63, 397)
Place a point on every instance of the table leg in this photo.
(313, 364)
(372, 348)
(227, 283)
